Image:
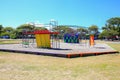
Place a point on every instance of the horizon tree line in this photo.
(111, 28)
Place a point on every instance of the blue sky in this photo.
(68, 12)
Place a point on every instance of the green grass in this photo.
(115, 46)
(9, 41)
(16, 66)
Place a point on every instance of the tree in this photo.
(5, 34)
(114, 23)
(111, 28)
(82, 32)
(27, 27)
(108, 34)
(81, 29)
(40, 28)
(1, 28)
(8, 31)
(93, 29)
(23, 28)
(63, 29)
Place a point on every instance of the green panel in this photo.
(69, 40)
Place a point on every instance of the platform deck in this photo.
(68, 50)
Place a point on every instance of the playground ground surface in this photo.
(68, 50)
(14, 66)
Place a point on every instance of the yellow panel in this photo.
(40, 41)
(43, 40)
(48, 41)
(37, 36)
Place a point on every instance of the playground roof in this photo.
(40, 32)
(45, 32)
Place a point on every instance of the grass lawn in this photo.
(10, 41)
(17, 66)
(115, 46)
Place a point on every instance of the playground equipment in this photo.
(71, 38)
(91, 40)
(27, 38)
(44, 39)
(25, 43)
(75, 38)
(51, 39)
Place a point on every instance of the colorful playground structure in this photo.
(75, 38)
(71, 38)
(50, 38)
(44, 38)
(47, 39)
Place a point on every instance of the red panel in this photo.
(44, 32)
(40, 32)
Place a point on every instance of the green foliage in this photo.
(63, 29)
(40, 28)
(114, 21)
(26, 27)
(13, 36)
(112, 28)
(8, 29)
(82, 30)
(93, 28)
(108, 33)
(5, 34)
(23, 27)
(1, 27)
(103, 34)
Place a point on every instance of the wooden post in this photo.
(92, 40)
